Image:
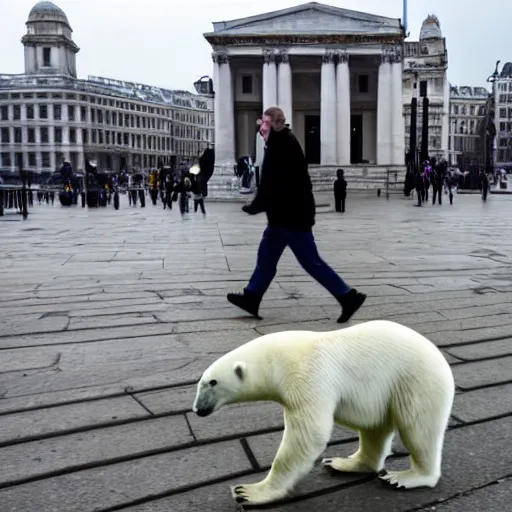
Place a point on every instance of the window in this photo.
(423, 88)
(4, 113)
(17, 112)
(5, 139)
(57, 112)
(30, 111)
(246, 84)
(363, 83)
(45, 159)
(32, 162)
(72, 135)
(6, 159)
(85, 136)
(71, 112)
(44, 135)
(472, 110)
(503, 113)
(17, 135)
(58, 135)
(31, 135)
(43, 112)
(47, 57)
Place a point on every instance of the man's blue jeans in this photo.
(302, 244)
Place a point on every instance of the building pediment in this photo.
(311, 19)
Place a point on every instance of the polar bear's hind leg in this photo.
(374, 447)
(425, 450)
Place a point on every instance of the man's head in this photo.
(273, 119)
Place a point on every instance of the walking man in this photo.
(286, 195)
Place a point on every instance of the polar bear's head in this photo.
(222, 383)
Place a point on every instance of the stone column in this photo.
(328, 110)
(343, 109)
(224, 112)
(284, 87)
(397, 114)
(384, 110)
(269, 78)
(221, 183)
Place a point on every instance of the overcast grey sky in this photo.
(160, 42)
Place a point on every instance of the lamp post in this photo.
(489, 145)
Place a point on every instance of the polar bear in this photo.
(376, 377)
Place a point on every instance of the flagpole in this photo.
(404, 16)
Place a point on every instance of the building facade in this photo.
(425, 75)
(503, 117)
(48, 115)
(336, 73)
(467, 111)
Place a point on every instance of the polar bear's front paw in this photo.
(347, 465)
(256, 494)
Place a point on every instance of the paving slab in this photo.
(102, 341)
(495, 497)
(474, 375)
(484, 403)
(122, 483)
(491, 349)
(22, 462)
(177, 399)
(51, 420)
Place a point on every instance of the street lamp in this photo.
(490, 147)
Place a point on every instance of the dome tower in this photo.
(49, 47)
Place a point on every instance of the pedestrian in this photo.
(419, 184)
(485, 185)
(451, 181)
(340, 191)
(197, 192)
(286, 195)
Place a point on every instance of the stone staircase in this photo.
(359, 177)
(224, 187)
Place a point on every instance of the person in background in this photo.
(340, 191)
(286, 195)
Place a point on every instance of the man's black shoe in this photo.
(246, 301)
(350, 303)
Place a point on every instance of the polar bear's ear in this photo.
(239, 369)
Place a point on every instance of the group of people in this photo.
(184, 183)
(436, 175)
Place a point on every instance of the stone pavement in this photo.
(108, 319)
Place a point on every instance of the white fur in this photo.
(376, 377)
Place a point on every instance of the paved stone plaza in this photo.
(108, 319)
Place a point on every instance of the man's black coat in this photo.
(285, 192)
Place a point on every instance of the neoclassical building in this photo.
(336, 73)
(47, 114)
